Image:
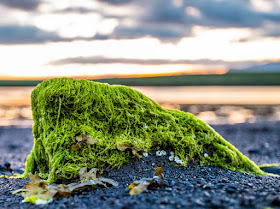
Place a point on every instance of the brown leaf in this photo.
(85, 184)
(36, 189)
(82, 172)
(85, 138)
(79, 138)
(159, 173)
(123, 147)
(139, 186)
(92, 174)
(61, 190)
(34, 178)
(90, 140)
(77, 146)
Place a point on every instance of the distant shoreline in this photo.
(228, 79)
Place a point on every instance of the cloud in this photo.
(15, 34)
(236, 13)
(21, 4)
(116, 2)
(93, 60)
(163, 19)
(166, 32)
(214, 13)
(77, 10)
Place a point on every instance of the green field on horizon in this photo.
(234, 79)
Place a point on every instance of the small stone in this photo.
(169, 189)
(158, 153)
(206, 194)
(163, 152)
(145, 154)
(199, 202)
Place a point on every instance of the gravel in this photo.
(193, 186)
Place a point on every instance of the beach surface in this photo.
(193, 186)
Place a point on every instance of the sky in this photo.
(107, 38)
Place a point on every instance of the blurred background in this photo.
(218, 59)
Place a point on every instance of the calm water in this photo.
(267, 95)
(212, 104)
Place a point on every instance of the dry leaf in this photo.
(36, 189)
(77, 146)
(90, 140)
(109, 181)
(34, 178)
(80, 139)
(39, 192)
(88, 175)
(123, 147)
(139, 186)
(159, 174)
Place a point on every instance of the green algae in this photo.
(64, 108)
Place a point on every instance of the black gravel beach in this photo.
(193, 186)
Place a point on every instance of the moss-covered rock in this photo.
(66, 110)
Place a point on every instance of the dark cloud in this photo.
(79, 10)
(21, 4)
(116, 2)
(164, 20)
(236, 13)
(214, 13)
(14, 34)
(155, 18)
(164, 32)
(93, 60)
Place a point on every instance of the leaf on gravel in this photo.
(94, 174)
(88, 175)
(109, 181)
(37, 191)
(159, 173)
(139, 186)
(123, 147)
